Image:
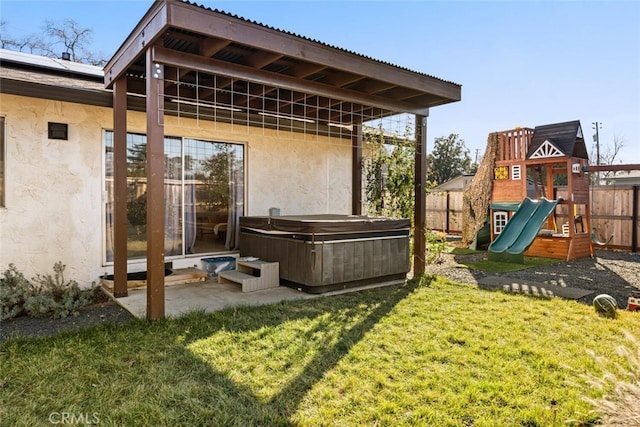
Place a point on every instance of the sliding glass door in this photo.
(204, 196)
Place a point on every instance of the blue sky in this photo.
(519, 63)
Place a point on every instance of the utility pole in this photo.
(477, 151)
(596, 138)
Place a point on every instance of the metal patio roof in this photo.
(197, 44)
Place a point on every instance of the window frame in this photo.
(500, 220)
(184, 255)
(516, 172)
(3, 163)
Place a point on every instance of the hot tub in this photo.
(320, 253)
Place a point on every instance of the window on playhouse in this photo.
(516, 172)
(500, 219)
(203, 191)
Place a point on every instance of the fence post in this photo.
(447, 216)
(634, 220)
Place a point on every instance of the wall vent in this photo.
(58, 131)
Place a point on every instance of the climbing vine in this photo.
(389, 174)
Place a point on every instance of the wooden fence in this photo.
(614, 213)
(444, 211)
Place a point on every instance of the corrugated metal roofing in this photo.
(231, 15)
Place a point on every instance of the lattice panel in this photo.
(208, 101)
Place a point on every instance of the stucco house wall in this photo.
(54, 208)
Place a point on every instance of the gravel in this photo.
(610, 272)
(101, 312)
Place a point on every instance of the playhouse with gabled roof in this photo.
(556, 222)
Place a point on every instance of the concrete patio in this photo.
(210, 295)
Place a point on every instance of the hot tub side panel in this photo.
(363, 260)
(327, 265)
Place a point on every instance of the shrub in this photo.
(436, 244)
(14, 291)
(44, 296)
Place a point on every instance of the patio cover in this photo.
(177, 45)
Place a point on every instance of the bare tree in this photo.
(71, 35)
(5, 41)
(58, 37)
(32, 43)
(609, 154)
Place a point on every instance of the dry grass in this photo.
(621, 406)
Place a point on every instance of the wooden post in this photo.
(448, 214)
(155, 188)
(420, 214)
(549, 181)
(587, 227)
(634, 220)
(356, 170)
(549, 190)
(571, 217)
(119, 213)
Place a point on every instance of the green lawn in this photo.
(435, 353)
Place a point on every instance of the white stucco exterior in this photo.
(54, 206)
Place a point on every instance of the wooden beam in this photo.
(213, 66)
(343, 79)
(120, 188)
(613, 168)
(634, 222)
(420, 214)
(356, 170)
(261, 59)
(211, 47)
(373, 87)
(150, 28)
(155, 189)
(33, 89)
(304, 69)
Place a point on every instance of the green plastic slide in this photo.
(521, 230)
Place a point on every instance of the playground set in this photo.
(529, 215)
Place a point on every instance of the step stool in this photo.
(253, 275)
